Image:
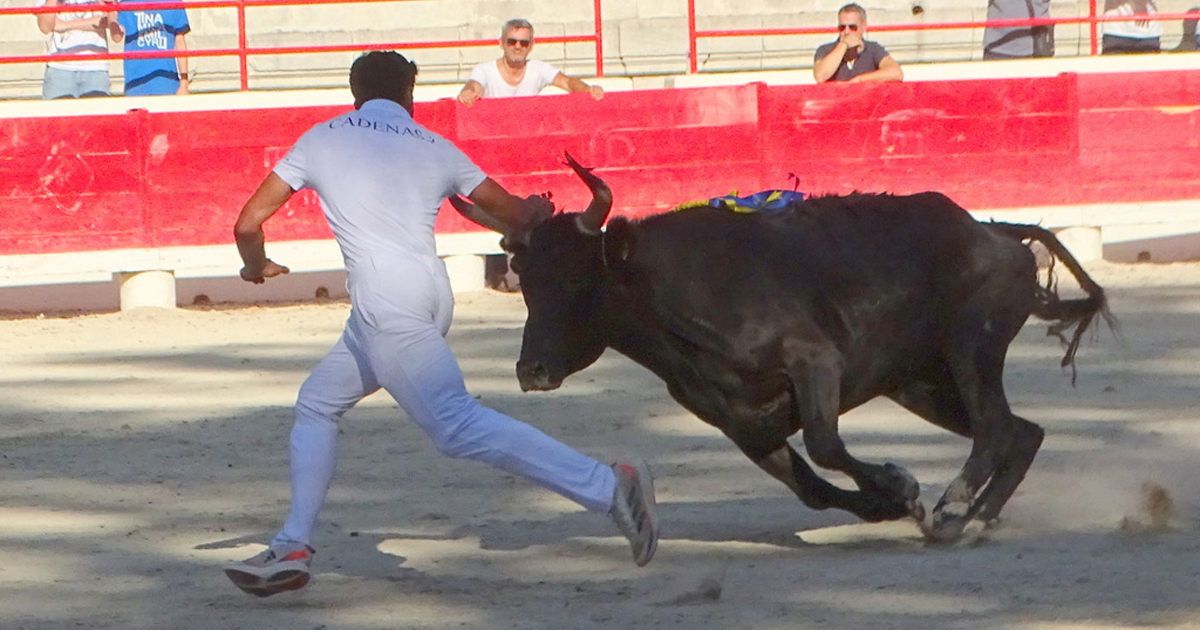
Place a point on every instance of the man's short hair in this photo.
(513, 24)
(862, 13)
(382, 74)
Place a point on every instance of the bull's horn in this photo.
(476, 214)
(597, 212)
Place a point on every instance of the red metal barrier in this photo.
(244, 50)
(985, 143)
(1092, 19)
(161, 179)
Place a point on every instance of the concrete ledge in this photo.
(242, 100)
(154, 277)
(133, 278)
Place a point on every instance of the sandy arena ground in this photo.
(142, 451)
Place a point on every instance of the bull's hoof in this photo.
(916, 509)
(946, 527)
(903, 482)
(892, 494)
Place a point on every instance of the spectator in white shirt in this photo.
(515, 74)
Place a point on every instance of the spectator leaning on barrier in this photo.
(1018, 42)
(74, 35)
(153, 30)
(1132, 36)
(515, 74)
(852, 58)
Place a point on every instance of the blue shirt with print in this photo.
(152, 31)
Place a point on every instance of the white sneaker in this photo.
(276, 569)
(634, 510)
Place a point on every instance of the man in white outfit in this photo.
(515, 74)
(381, 178)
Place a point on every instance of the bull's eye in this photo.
(516, 265)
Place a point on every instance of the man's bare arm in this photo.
(572, 84)
(470, 92)
(51, 23)
(181, 65)
(248, 232)
(507, 211)
(826, 66)
(889, 70)
(47, 21)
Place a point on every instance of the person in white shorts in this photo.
(515, 74)
(76, 37)
(381, 178)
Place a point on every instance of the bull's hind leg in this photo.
(937, 400)
(975, 351)
(1027, 439)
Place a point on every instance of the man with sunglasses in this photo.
(515, 74)
(852, 58)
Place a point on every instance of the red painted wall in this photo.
(162, 179)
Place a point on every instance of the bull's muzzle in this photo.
(534, 377)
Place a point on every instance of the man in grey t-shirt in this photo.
(852, 58)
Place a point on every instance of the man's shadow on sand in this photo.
(772, 521)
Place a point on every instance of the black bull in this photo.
(767, 326)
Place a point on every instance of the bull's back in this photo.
(868, 274)
(834, 249)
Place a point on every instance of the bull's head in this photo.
(560, 260)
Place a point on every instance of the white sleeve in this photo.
(292, 169)
(465, 176)
(545, 72)
(479, 74)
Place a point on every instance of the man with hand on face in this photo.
(515, 74)
(852, 58)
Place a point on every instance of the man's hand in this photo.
(538, 208)
(596, 91)
(851, 38)
(470, 93)
(270, 269)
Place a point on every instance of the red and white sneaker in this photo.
(634, 510)
(277, 569)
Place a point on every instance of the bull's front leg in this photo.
(887, 491)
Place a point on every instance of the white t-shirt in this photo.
(75, 42)
(1133, 29)
(538, 74)
(381, 178)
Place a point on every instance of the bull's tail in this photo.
(1068, 317)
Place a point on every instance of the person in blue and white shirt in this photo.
(154, 30)
(381, 179)
(74, 36)
(515, 74)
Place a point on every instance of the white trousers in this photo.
(394, 340)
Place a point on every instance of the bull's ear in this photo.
(618, 242)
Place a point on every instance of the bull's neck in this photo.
(629, 326)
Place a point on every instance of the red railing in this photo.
(244, 50)
(1091, 19)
